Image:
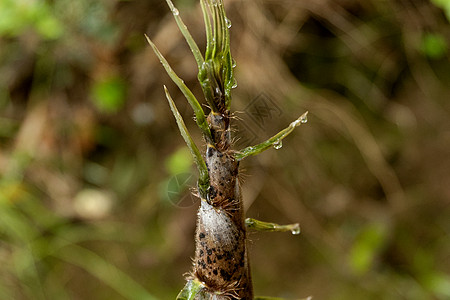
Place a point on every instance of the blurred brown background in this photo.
(94, 186)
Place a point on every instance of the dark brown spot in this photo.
(201, 263)
(225, 275)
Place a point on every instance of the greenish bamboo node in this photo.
(271, 227)
(198, 110)
(203, 181)
(275, 141)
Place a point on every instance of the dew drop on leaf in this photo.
(278, 144)
(304, 118)
(295, 230)
(228, 22)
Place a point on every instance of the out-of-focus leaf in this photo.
(108, 94)
(445, 5)
(366, 247)
(438, 283)
(179, 162)
(17, 16)
(105, 271)
(433, 45)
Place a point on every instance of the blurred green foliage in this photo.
(434, 46)
(17, 16)
(366, 247)
(88, 147)
(445, 5)
(109, 94)
(179, 162)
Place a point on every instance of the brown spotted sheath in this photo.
(221, 259)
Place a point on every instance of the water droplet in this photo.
(304, 118)
(175, 12)
(228, 22)
(233, 63)
(278, 144)
(295, 229)
(234, 84)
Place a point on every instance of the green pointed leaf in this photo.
(272, 227)
(203, 180)
(273, 141)
(208, 29)
(187, 35)
(198, 111)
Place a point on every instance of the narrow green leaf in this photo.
(272, 227)
(222, 27)
(203, 180)
(198, 111)
(273, 141)
(187, 35)
(216, 38)
(208, 29)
